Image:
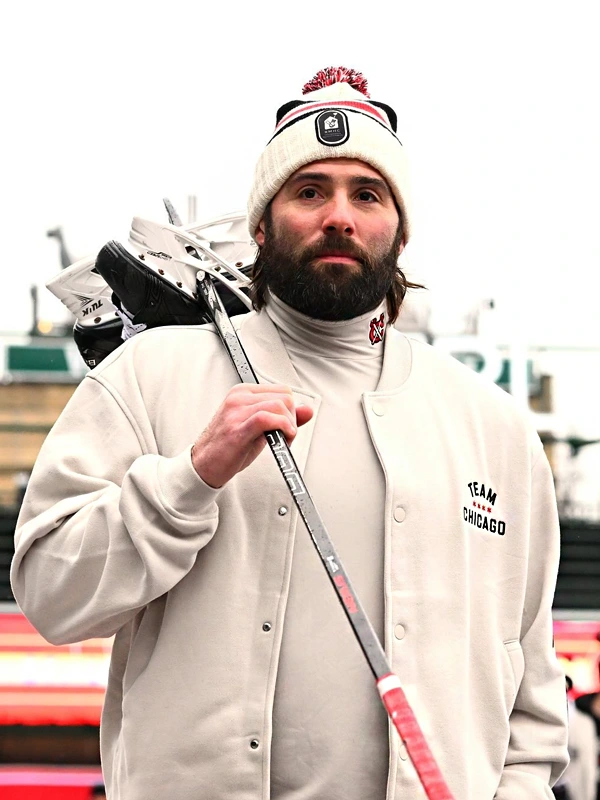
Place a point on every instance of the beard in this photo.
(330, 290)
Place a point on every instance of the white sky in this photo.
(110, 106)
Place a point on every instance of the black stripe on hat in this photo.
(285, 109)
(333, 107)
(391, 114)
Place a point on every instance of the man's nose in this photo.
(339, 216)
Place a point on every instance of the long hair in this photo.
(394, 296)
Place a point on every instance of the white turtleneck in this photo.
(330, 739)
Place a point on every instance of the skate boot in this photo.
(155, 274)
(222, 246)
(152, 295)
(98, 327)
(152, 281)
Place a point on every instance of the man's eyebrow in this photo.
(365, 180)
(311, 176)
(357, 180)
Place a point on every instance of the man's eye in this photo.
(366, 196)
(309, 194)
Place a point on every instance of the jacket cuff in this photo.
(184, 494)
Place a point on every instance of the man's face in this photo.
(330, 243)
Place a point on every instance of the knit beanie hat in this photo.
(335, 120)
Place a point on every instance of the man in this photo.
(155, 513)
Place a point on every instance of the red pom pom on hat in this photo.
(331, 75)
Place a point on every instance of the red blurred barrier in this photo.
(577, 646)
(41, 684)
(48, 783)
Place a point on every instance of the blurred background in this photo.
(110, 107)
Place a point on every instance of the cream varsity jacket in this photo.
(118, 535)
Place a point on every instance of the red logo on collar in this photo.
(377, 329)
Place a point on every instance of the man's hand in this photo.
(235, 435)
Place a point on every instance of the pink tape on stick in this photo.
(402, 716)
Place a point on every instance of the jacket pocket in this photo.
(515, 670)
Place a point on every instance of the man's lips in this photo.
(340, 258)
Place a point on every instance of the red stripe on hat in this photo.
(309, 107)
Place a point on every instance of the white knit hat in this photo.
(336, 121)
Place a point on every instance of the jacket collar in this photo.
(270, 360)
(265, 349)
(397, 361)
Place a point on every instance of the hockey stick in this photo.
(388, 684)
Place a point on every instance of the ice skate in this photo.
(151, 281)
(221, 246)
(98, 326)
(153, 295)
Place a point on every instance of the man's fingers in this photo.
(234, 437)
(273, 415)
(260, 388)
(250, 394)
(285, 398)
(275, 405)
(303, 415)
(264, 420)
(283, 415)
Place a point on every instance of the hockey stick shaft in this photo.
(388, 684)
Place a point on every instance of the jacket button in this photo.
(399, 631)
(399, 514)
(254, 744)
(403, 753)
(266, 627)
(282, 511)
(378, 409)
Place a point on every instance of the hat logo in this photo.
(332, 128)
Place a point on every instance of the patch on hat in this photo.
(332, 128)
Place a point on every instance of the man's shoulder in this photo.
(152, 348)
(461, 393)
(158, 364)
(437, 358)
(434, 364)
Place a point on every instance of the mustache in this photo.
(339, 244)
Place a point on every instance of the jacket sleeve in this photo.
(105, 528)
(537, 751)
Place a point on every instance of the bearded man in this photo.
(155, 514)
